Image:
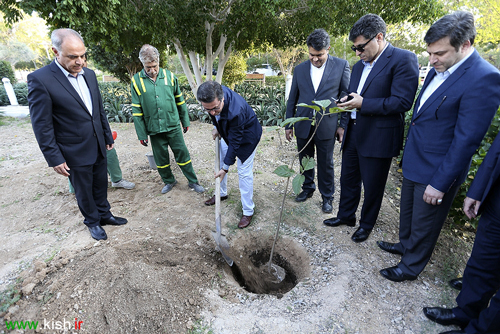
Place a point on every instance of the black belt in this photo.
(352, 121)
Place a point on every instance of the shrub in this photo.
(21, 91)
(234, 71)
(4, 99)
(117, 101)
(456, 212)
(6, 71)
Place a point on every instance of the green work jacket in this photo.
(157, 106)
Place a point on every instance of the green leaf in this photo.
(293, 120)
(297, 183)
(309, 106)
(307, 163)
(284, 171)
(323, 103)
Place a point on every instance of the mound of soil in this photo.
(161, 273)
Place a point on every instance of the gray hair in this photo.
(57, 37)
(367, 26)
(149, 54)
(458, 26)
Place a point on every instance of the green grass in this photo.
(9, 297)
(199, 328)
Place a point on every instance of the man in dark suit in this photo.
(237, 124)
(71, 128)
(455, 107)
(322, 77)
(383, 86)
(481, 280)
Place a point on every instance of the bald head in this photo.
(58, 36)
(69, 49)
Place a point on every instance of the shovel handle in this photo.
(217, 185)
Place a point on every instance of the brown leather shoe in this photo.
(211, 201)
(245, 221)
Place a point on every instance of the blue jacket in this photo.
(487, 175)
(451, 123)
(239, 127)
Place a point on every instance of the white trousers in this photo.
(245, 176)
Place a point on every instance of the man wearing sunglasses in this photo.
(382, 88)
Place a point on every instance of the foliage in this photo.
(307, 163)
(9, 297)
(116, 99)
(14, 51)
(456, 212)
(4, 99)
(211, 28)
(486, 13)
(26, 41)
(268, 102)
(234, 71)
(21, 91)
(24, 65)
(123, 66)
(491, 53)
(6, 71)
(288, 57)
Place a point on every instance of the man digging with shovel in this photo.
(237, 124)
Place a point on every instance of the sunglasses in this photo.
(361, 47)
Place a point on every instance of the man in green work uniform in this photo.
(158, 107)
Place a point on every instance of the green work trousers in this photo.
(160, 143)
(114, 170)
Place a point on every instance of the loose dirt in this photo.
(161, 273)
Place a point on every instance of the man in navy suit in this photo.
(322, 77)
(237, 124)
(383, 86)
(455, 107)
(71, 128)
(481, 280)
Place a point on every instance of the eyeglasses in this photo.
(213, 109)
(361, 47)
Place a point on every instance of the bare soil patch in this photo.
(161, 273)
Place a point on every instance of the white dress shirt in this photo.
(79, 85)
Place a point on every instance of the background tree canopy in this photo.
(213, 28)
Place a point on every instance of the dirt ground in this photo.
(161, 273)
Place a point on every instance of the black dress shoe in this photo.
(389, 247)
(334, 222)
(97, 232)
(456, 283)
(443, 316)
(303, 196)
(361, 234)
(456, 331)
(396, 275)
(113, 221)
(327, 205)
